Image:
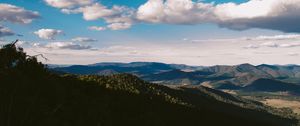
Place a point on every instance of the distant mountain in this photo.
(266, 78)
(182, 77)
(269, 85)
(219, 77)
(137, 68)
(288, 71)
(107, 72)
(241, 75)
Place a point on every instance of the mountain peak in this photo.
(246, 65)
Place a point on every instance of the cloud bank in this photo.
(83, 39)
(282, 15)
(117, 17)
(193, 53)
(14, 14)
(5, 31)
(62, 46)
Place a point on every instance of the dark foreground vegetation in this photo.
(30, 95)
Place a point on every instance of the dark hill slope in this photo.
(117, 100)
(271, 86)
(32, 96)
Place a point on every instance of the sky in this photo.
(193, 32)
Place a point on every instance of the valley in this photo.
(273, 85)
(280, 103)
(33, 94)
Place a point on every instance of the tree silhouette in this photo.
(14, 58)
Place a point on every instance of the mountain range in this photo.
(244, 77)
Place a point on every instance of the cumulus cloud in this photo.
(48, 33)
(280, 15)
(270, 14)
(5, 31)
(267, 14)
(68, 3)
(96, 28)
(14, 14)
(176, 12)
(117, 17)
(62, 45)
(83, 39)
(96, 11)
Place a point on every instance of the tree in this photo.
(13, 58)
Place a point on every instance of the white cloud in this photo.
(251, 46)
(96, 28)
(92, 12)
(22, 43)
(117, 16)
(280, 15)
(83, 39)
(250, 9)
(48, 33)
(62, 45)
(282, 41)
(119, 26)
(289, 45)
(185, 39)
(279, 37)
(293, 54)
(68, 3)
(36, 45)
(175, 12)
(5, 31)
(14, 14)
(270, 44)
(268, 14)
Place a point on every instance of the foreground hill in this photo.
(33, 96)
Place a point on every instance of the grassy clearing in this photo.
(280, 103)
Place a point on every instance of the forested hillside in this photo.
(32, 96)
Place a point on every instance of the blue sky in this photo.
(74, 25)
(136, 24)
